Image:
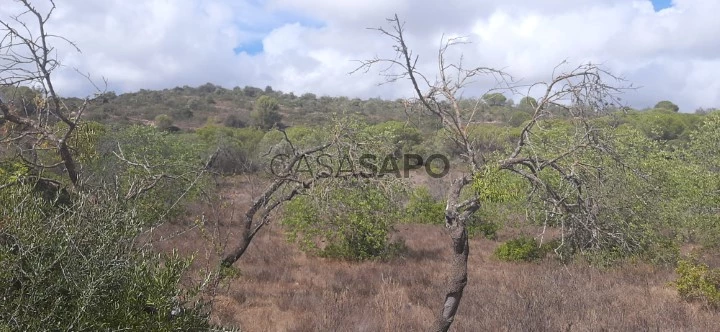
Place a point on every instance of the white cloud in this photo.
(309, 45)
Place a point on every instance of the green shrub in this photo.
(80, 268)
(696, 281)
(521, 249)
(235, 148)
(150, 152)
(352, 220)
(488, 229)
(265, 114)
(163, 121)
(182, 114)
(494, 185)
(422, 208)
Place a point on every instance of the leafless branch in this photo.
(589, 96)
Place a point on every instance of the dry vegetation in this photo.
(279, 288)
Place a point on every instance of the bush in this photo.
(696, 281)
(178, 157)
(353, 221)
(183, 114)
(265, 114)
(79, 268)
(233, 121)
(163, 122)
(487, 229)
(235, 147)
(521, 249)
(422, 208)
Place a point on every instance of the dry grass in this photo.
(282, 289)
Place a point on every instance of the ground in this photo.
(279, 288)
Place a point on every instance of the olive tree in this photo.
(557, 176)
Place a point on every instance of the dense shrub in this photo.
(477, 226)
(183, 113)
(265, 114)
(696, 281)
(234, 121)
(399, 135)
(234, 148)
(422, 208)
(163, 122)
(80, 268)
(156, 173)
(350, 221)
(521, 249)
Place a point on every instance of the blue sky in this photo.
(670, 49)
(661, 4)
(269, 21)
(274, 20)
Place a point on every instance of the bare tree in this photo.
(580, 92)
(282, 189)
(39, 127)
(28, 58)
(288, 182)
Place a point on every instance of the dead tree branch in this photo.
(588, 95)
(27, 59)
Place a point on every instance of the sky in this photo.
(667, 49)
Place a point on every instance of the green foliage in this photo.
(251, 91)
(667, 105)
(26, 99)
(236, 148)
(186, 113)
(524, 249)
(234, 121)
(422, 208)
(400, 135)
(496, 186)
(517, 118)
(12, 171)
(678, 184)
(489, 138)
(80, 268)
(350, 221)
(662, 124)
(692, 181)
(696, 281)
(622, 200)
(529, 102)
(84, 141)
(704, 148)
(478, 226)
(166, 163)
(265, 114)
(495, 99)
(163, 122)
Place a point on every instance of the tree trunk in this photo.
(457, 278)
(69, 164)
(247, 236)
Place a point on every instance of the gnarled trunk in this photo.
(456, 279)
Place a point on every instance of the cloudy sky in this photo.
(671, 49)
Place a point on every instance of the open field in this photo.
(282, 289)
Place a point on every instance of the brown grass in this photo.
(282, 289)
